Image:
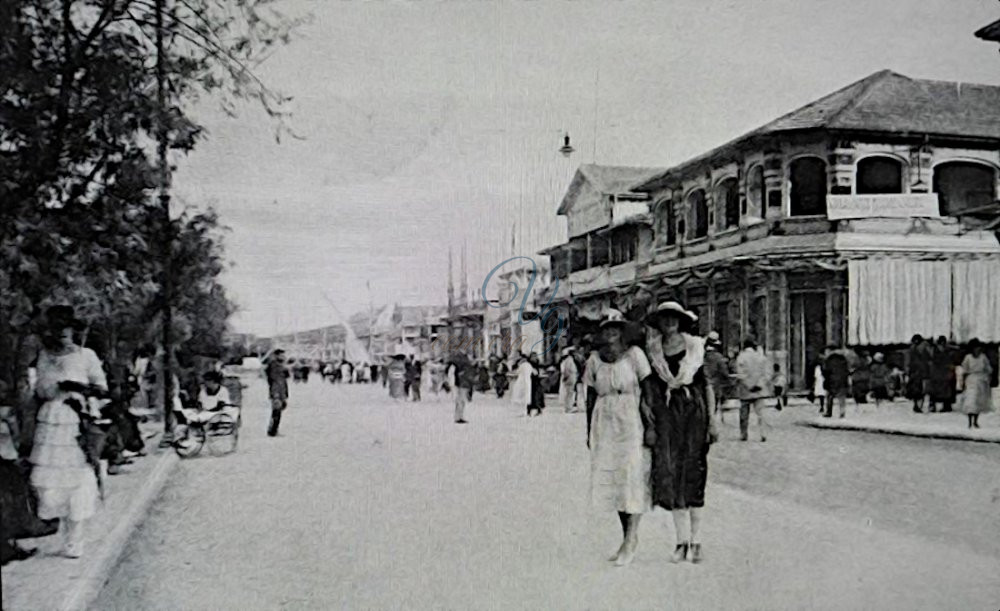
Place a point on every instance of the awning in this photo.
(890, 299)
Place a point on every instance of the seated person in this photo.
(213, 399)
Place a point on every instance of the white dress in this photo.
(567, 384)
(65, 481)
(520, 392)
(619, 461)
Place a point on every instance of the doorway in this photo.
(808, 336)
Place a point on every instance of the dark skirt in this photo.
(680, 455)
(18, 506)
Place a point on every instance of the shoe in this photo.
(695, 553)
(461, 422)
(680, 553)
(626, 557)
(763, 439)
(73, 551)
(743, 438)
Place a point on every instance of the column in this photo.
(921, 158)
(841, 169)
(773, 183)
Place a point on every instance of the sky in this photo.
(432, 127)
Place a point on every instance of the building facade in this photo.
(860, 219)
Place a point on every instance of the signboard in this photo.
(889, 205)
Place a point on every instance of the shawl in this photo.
(694, 358)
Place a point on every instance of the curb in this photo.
(884, 430)
(89, 586)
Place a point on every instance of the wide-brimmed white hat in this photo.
(567, 350)
(879, 357)
(613, 317)
(672, 307)
(713, 337)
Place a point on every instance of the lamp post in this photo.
(566, 149)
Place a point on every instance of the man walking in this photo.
(836, 379)
(717, 371)
(753, 371)
(461, 379)
(277, 384)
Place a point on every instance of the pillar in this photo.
(840, 172)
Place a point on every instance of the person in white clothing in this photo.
(62, 474)
(568, 377)
(520, 393)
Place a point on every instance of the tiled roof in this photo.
(883, 102)
(607, 180)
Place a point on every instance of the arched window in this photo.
(666, 223)
(962, 186)
(727, 196)
(879, 175)
(807, 193)
(697, 215)
(755, 193)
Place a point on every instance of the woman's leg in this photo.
(631, 539)
(624, 519)
(682, 528)
(75, 533)
(696, 513)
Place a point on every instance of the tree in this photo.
(78, 110)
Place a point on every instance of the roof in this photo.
(882, 102)
(990, 32)
(607, 180)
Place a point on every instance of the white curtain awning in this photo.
(892, 299)
(976, 295)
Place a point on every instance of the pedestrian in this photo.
(416, 373)
(684, 424)
(346, 372)
(537, 393)
(836, 381)
(941, 378)
(976, 374)
(618, 377)
(397, 377)
(500, 380)
(753, 373)
(568, 375)
(717, 371)
(461, 373)
(819, 386)
(917, 372)
(407, 376)
(861, 378)
(63, 474)
(277, 386)
(879, 377)
(779, 383)
(521, 392)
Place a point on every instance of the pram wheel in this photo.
(191, 443)
(223, 433)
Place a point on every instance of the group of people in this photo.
(55, 447)
(650, 423)
(936, 377)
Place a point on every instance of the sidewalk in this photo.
(898, 418)
(48, 581)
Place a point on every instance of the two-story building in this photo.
(859, 219)
(609, 247)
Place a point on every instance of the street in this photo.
(363, 503)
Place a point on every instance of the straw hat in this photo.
(879, 357)
(613, 317)
(672, 308)
(713, 337)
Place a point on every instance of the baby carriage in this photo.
(217, 427)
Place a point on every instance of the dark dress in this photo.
(918, 371)
(680, 454)
(941, 378)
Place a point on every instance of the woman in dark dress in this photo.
(683, 423)
(537, 390)
(917, 371)
(941, 378)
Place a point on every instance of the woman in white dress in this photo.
(976, 373)
(65, 481)
(568, 375)
(616, 417)
(520, 393)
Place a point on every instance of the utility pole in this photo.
(371, 322)
(167, 254)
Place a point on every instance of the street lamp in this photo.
(566, 149)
